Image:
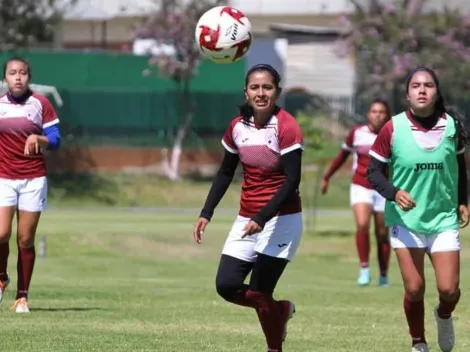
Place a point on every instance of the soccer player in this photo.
(28, 124)
(365, 201)
(266, 233)
(426, 199)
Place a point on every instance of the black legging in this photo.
(265, 273)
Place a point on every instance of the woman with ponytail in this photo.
(426, 196)
(266, 233)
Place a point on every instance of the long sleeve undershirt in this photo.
(291, 165)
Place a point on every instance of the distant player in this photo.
(265, 235)
(426, 197)
(28, 124)
(365, 201)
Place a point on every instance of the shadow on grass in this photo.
(71, 309)
(333, 233)
(83, 186)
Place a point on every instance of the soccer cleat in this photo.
(3, 288)
(445, 332)
(383, 281)
(20, 306)
(364, 277)
(420, 347)
(288, 311)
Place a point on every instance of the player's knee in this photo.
(5, 236)
(226, 289)
(25, 241)
(362, 227)
(448, 291)
(382, 236)
(415, 291)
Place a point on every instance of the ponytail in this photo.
(443, 107)
(245, 111)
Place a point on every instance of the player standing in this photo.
(365, 201)
(265, 235)
(28, 124)
(426, 197)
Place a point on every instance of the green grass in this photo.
(154, 192)
(123, 281)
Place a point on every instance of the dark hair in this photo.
(245, 109)
(384, 103)
(441, 105)
(20, 59)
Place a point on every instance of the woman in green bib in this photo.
(426, 192)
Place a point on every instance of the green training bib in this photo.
(429, 176)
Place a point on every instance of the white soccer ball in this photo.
(223, 34)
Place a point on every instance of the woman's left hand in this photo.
(251, 228)
(464, 216)
(32, 145)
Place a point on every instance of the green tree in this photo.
(177, 56)
(24, 23)
(390, 38)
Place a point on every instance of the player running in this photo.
(426, 197)
(28, 124)
(265, 235)
(365, 201)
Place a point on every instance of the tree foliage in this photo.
(390, 38)
(24, 23)
(176, 55)
(173, 29)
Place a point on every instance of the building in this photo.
(299, 35)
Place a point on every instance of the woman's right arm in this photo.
(376, 175)
(220, 184)
(341, 158)
(380, 155)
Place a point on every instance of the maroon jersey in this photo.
(17, 122)
(260, 150)
(359, 141)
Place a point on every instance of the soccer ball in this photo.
(223, 34)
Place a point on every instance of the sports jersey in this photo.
(17, 122)
(260, 149)
(426, 168)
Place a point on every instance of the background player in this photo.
(28, 123)
(266, 233)
(426, 196)
(365, 201)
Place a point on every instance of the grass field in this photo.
(135, 281)
(152, 191)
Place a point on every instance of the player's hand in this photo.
(199, 229)
(251, 228)
(404, 200)
(464, 216)
(32, 145)
(324, 186)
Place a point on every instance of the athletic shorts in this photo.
(280, 238)
(447, 241)
(27, 195)
(359, 194)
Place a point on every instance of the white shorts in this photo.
(27, 195)
(446, 241)
(359, 194)
(280, 238)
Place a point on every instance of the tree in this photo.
(26, 22)
(390, 38)
(176, 56)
